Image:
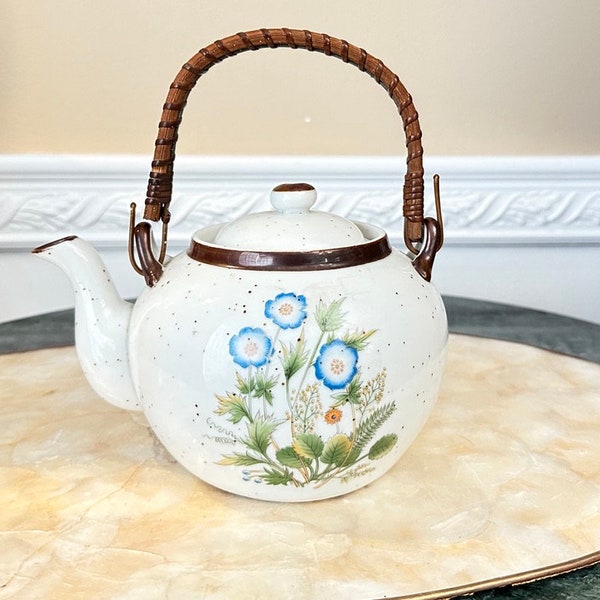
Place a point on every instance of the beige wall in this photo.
(488, 77)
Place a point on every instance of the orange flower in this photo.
(333, 415)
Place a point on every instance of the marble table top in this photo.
(501, 487)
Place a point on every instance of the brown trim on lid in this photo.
(310, 260)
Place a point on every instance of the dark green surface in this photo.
(485, 319)
(578, 585)
(532, 327)
(43, 331)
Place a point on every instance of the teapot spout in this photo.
(101, 320)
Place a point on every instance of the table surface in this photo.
(485, 319)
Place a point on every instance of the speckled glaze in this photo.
(181, 363)
(291, 225)
(277, 385)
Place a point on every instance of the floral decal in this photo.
(336, 365)
(286, 310)
(333, 415)
(334, 411)
(250, 347)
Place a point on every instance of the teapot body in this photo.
(288, 386)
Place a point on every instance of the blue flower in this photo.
(250, 347)
(336, 364)
(286, 310)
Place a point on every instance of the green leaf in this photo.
(289, 458)
(263, 387)
(368, 428)
(382, 446)
(336, 450)
(245, 386)
(240, 460)
(308, 445)
(234, 407)
(259, 434)
(358, 339)
(294, 357)
(331, 317)
(350, 394)
(352, 456)
(273, 477)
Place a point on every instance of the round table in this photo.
(560, 335)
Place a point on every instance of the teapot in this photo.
(290, 355)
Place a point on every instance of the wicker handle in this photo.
(161, 177)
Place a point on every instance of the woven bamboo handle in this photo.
(161, 177)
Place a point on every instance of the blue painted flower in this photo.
(286, 310)
(250, 347)
(336, 364)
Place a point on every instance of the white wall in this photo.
(507, 77)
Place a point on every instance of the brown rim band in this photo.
(161, 178)
(311, 260)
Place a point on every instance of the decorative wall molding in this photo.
(486, 201)
(520, 230)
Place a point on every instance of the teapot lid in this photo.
(291, 237)
(290, 226)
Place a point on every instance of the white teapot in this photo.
(290, 355)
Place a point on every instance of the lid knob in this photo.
(290, 198)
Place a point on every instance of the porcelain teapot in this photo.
(289, 355)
